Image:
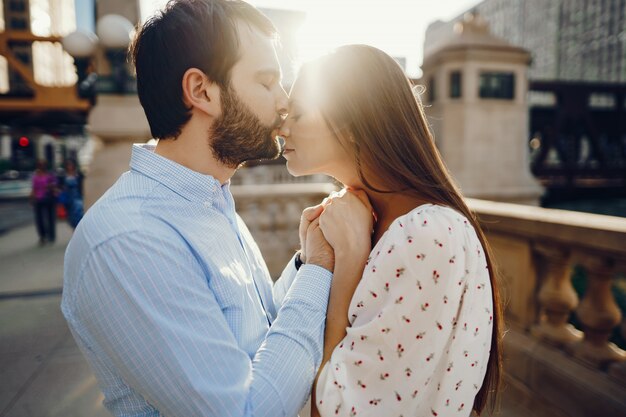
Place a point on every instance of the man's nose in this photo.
(283, 130)
(282, 102)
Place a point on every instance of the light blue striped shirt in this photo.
(168, 297)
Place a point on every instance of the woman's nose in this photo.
(283, 130)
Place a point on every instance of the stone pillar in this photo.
(598, 314)
(557, 298)
(481, 132)
(116, 121)
(618, 370)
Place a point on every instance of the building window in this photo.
(455, 84)
(431, 90)
(500, 85)
(17, 6)
(23, 56)
(18, 24)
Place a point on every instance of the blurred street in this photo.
(42, 371)
(14, 213)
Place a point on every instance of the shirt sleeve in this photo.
(148, 308)
(283, 283)
(403, 316)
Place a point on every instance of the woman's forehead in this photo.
(306, 91)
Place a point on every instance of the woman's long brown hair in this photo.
(369, 104)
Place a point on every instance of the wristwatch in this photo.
(297, 261)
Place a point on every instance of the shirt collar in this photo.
(189, 184)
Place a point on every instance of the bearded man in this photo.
(165, 290)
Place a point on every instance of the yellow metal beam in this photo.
(20, 68)
(25, 36)
(45, 98)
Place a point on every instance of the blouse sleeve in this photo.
(396, 358)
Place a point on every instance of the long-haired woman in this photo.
(414, 326)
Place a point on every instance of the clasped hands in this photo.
(340, 227)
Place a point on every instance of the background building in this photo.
(51, 65)
(41, 116)
(576, 97)
(573, 40)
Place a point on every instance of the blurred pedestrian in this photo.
(71, 196)
(43, 197)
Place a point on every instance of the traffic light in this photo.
(22, 153)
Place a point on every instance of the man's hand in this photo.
(319, 252)
(347, 223)
(308, 215)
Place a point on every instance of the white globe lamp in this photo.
(80, 43)
(114, 31)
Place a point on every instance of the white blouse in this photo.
(421, 324)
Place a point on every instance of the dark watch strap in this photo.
(297, 261)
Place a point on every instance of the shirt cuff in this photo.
(290, 269)
(311, 285)
(283, 283)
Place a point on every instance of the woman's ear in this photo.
(201, 93)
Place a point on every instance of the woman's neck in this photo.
(388, 207)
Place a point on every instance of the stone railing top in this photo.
(281, 190)
(601, 234)
(606, 234)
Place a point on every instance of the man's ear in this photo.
(201, 93)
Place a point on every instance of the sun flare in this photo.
(395, 26)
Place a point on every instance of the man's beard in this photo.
(239, 136)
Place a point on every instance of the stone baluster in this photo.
(556, 297)
(598, 313)
(618, 370)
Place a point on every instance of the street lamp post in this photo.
(115, 33)
(81, 45)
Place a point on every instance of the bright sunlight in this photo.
(395, 26)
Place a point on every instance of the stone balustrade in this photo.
(272, 213)
(578, 371)
(541, 295)
(273, 174)
(536, 250)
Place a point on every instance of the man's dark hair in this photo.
(187, 34)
